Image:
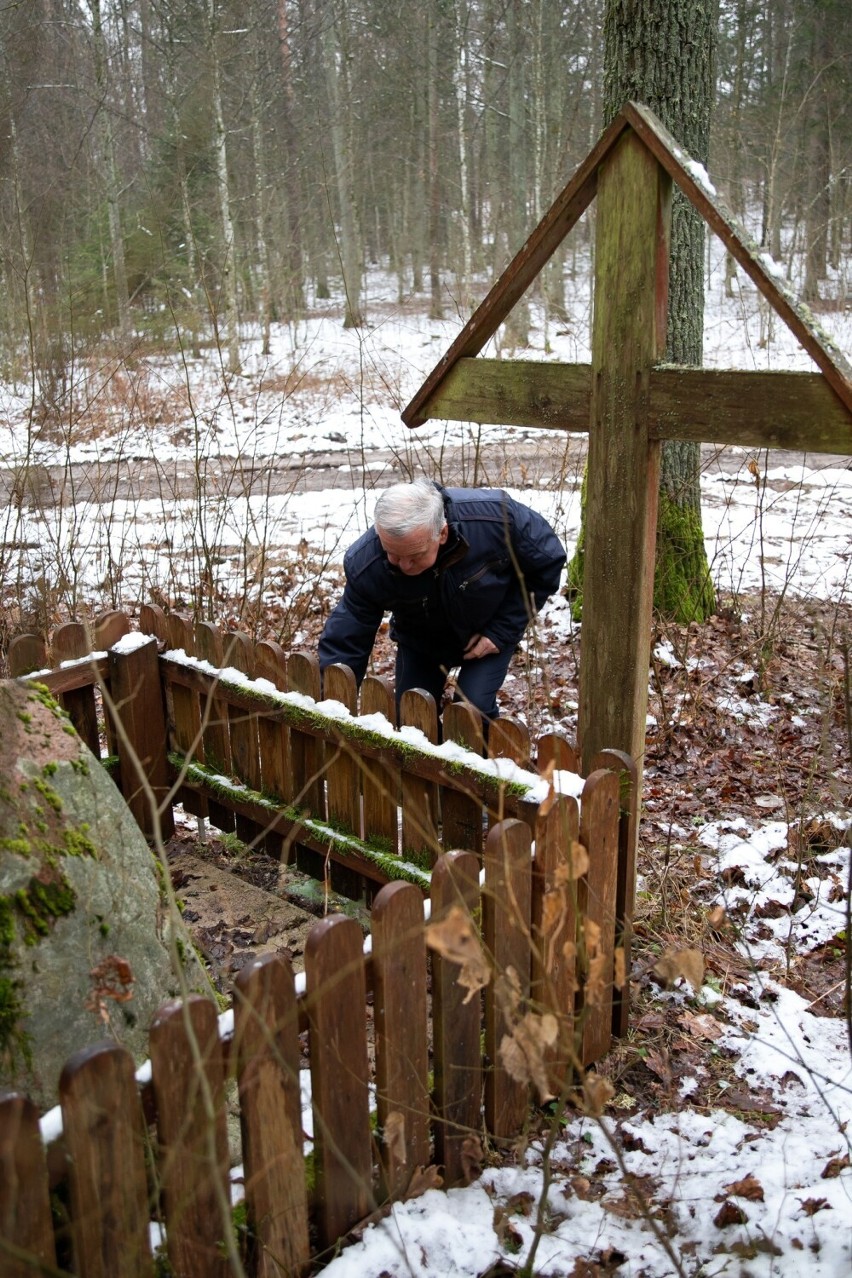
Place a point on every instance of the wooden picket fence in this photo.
(544, 897)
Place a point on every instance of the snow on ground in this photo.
(727, 1195)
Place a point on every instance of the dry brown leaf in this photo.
(729, 1214)
(424, 1178)
(596, 986)
(455, 939)
(597, 1092)
(717, 917)
(508, 1234)
(687, 963)
(810, 1206)
(591, 937)
(394, 1136)
(749, 1187)
(619, 978)
(508, 993)
(834, 1167)
(472, 1157)
(701, 1025)
(522, 1053)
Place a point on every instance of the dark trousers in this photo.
(477, 682)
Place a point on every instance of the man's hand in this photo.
(479, 646)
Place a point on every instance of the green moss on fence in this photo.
(375, 851)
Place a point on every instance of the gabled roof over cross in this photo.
(762, 409)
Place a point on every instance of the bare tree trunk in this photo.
(229, 248)
(335, 59)
(116, 238)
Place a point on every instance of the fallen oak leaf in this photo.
(749, 1188)
(810, 1206)
(688, 963)
(422, 1179)
(834, 1167)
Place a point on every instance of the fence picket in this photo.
(627, 772)
(266, 1028)
(420, 804)
(342, 780)
(245, 760)
(107, 629)
(509, 739)
(104, 1131)
(455, 1023)
(69, 643)
(189, 1086)
(462, 814)
(143, 767)
(306, 751)
(26, 1228)
(380, 783)
(336, 994)
(216, 741)
(400, 1015)
(25, 654)
(186, 711)
(506, 927)
(553, 748)
(554, 928)
(599, 816)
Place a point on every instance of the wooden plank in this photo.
(242, 726)
(510, 739)
(506, 903)
(749, 409)
(142, 754)
(68, 643)
(215, 738)
(514, 392)
(599, 818)
(186, 709)
(342, 778)
(420, 798)
(462, 814)
(565, 211)
(152, 621)
(108, 628)
(25, 654)
(335, 1001)
(26, 1228)
(381, 780)
(266, 1047)
(189, 1085)
(400, 1016)
(754, 260)
(625, 895)
(105, 1140)
(306, 752)
(270, 662)
(455, 1024)
(273, 739)
(554, 749)
(554, 929)
(631, 285)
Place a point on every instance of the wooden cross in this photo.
(627, 401)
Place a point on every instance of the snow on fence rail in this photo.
(250, 744)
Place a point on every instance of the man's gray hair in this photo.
(406, 508)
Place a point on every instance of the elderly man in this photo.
(462, 572)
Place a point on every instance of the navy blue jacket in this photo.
(499, 564)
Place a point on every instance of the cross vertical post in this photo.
(628, 339)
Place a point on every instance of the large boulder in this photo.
(85, 936)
